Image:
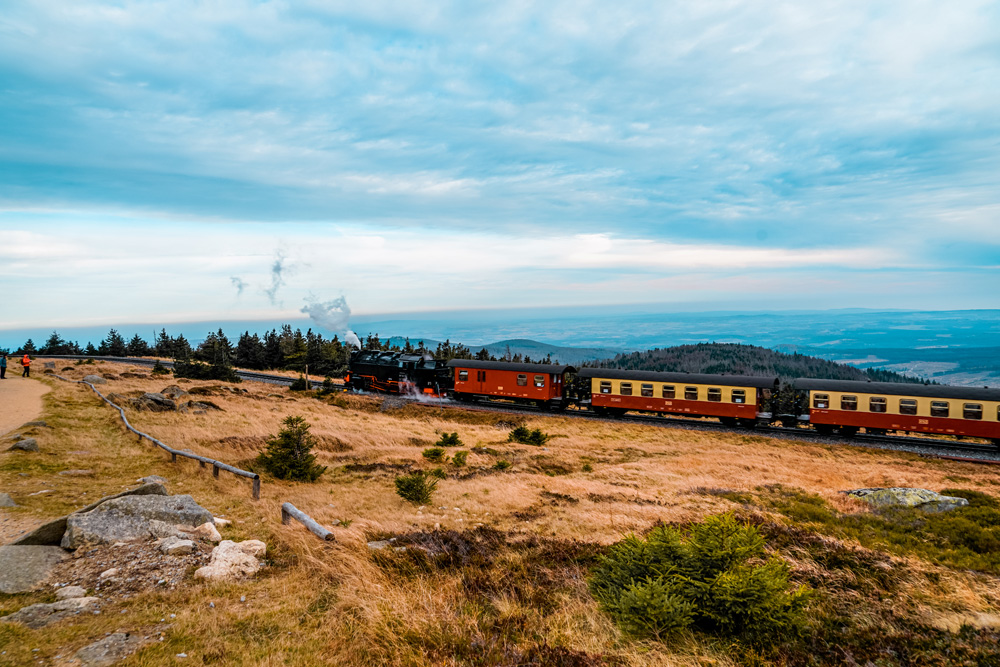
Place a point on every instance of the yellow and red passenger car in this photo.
(877, 407)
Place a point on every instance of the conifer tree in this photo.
(289, 454)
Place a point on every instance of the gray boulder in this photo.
(928, 501)
(175, 546)
(154, 403)
(94, 379)
(130, 517)
(23, 568)
(111, 649)
(154, 479)
(39, 615)
(173, 391)
(68, 592)
(52, 532)
(37, 422)
(6, 501)
(49, 364)
(25, 445)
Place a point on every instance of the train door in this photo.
(480, 382)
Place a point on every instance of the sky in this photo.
(188, 161)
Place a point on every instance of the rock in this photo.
(39, 615)
(94, 379)
(48, 364)
(154, 479)
(71, 592)
(233, 560)
(202, 405)
(25, 445)
(111, 649)
(37, 422)
(174, 546)
(154, 403)
(208, 532)
(23, 568)
(129, 518)
(221, 523)
(378, 545)
(173, 391)
(52, 532)
(16, 437)
(76, 473)
(6, 501)
(929, 501)
(107, 574)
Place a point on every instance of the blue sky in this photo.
(177, 161)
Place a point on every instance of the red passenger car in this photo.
(541, 384)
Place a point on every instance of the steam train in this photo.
(828, 406)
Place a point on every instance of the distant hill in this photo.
(738, 359)
(538, 351)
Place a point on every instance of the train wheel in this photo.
(873, 431)
(728, 421)
(824, 429)
(849, 431)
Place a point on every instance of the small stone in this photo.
(153, 479)
(110, 650)
(207, 532)
(222, 523)
(212, 605)
(243, 598)
(108, 573)
(71, 592)
(94, 379)
(335, 522)
(182, 655)
(6, 501)
(174, 546)
(76, 473)
(378, 545)
(26, 445)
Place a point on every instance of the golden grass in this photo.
(333, 603)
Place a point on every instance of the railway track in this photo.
(976, 452)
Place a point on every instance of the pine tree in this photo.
(289, 454)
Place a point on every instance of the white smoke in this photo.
(332, 316)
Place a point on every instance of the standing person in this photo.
(3, 367)
(26, 363)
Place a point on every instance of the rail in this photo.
(174, 453)
(290, 511)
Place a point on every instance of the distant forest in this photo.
(737, 359)
(291, 349)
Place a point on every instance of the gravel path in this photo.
(20, 400)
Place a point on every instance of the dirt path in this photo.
(20, 400)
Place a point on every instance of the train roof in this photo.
(680, 378)
(901, 389)
(556, 369)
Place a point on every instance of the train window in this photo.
(939, 408)
(522, 380)
(715, 394)
(821, 401)
(877, 404)
(463, 376)
(691, 393)
(907, 406)
(739, 396)
(647, 390)
(848, 402)
(668, 391)
(626, 389)
(605, 387)
(539, 380)
(972, 411)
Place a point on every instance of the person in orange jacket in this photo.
(26, 363)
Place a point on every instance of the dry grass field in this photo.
(512, 547)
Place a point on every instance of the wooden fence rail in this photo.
(174, 453)
(290, 511)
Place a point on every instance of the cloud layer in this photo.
(585, 143)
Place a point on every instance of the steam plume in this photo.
(332, 316)
(277, 278)
(239, 284)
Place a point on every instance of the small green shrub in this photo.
(587, 468)
(712, 579)
(328, 387)
(449, 440)
(345, 523)
(438, 472)
(159, 369)
(502, 465)
(435, 454)
(300, 384)
(289, 454)
(458, 458)
(525, 436)
(416, 487)
(196, 370)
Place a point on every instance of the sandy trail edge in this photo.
(20, 401)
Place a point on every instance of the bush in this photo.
(525, 436)
(458, 459)
(289, 454)
(435, 454)
(159, 369)
(449, 440)
(328, 387)
(416, 487)
(300, 384)
(711, 579)
(439, 473)
(587, 468)
(502, 465)
(199, 371)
